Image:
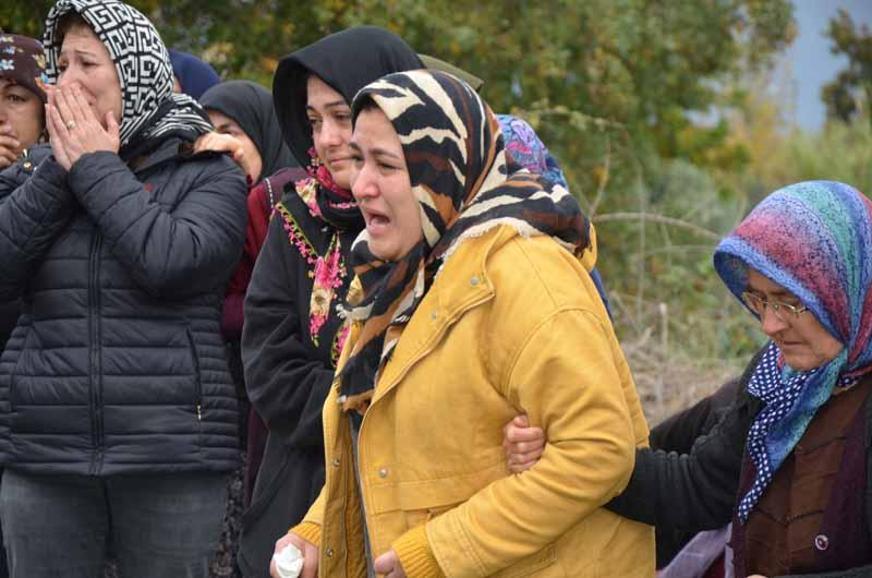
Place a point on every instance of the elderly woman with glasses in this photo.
(789, 464)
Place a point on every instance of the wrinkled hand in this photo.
(311, 555)
(389, 565)
(73, 128)
(10, 146)
(225, 143)
(522, 444)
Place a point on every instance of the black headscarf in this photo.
(251, 106)
(347, 61)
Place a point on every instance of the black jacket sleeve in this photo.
(34, 210)
(171, 253)
(9, 311)
(285, 380)
(697, 490)
(678, 432)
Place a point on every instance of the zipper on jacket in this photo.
(94, 353)
(198, 376)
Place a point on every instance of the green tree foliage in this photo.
(626, 93)
(644, 64)
(850, 94)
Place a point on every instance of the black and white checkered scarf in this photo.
(150, 110)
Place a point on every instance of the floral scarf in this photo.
(339, 61)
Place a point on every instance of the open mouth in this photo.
(376, 222)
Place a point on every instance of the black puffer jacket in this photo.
(116, 364)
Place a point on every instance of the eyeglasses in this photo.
(758, 305)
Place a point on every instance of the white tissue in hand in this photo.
(289, 561)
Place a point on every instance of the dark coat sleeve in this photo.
(171, 253)
(34, 210)
(697, 490)
(678, 432)
(286, 381)
(9, 311)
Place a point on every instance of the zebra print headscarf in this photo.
(459, 174)
(149, 108)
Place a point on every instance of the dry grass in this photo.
(674, 357)
(668, 383)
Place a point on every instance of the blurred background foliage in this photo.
(658, 110)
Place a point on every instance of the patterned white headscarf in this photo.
(149, 107)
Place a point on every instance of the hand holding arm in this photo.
(225, 143)
(584, 412)
(523, 444)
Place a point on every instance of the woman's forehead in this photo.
(373, 129)
(759, 282)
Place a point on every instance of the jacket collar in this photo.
(462, 284)
(170, 149)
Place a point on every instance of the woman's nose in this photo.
(68, 78)
(331, 133)
(362, 185)
(770, 323)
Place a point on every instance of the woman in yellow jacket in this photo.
(471, 305)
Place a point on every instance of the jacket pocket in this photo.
(16, 367)
(422, 516)
(437, 494)
(198, 382)
(530, 565)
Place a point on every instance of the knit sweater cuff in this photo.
(415, 555)
(308, 531)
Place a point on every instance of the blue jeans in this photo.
(163, 525)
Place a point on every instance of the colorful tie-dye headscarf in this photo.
(815, 240)
(457, 166)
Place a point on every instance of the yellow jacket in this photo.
(510, 325)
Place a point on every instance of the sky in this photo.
(809, 63)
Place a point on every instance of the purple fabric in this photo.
(528, 150)
(695, 559)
